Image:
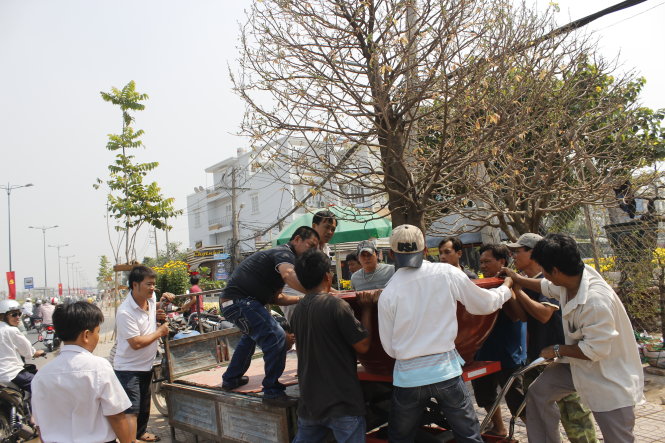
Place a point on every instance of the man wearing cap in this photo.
(599, 359)
(373, 275)
(418, 326)
(544, 328)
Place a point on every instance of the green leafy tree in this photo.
(105, 274)
(172, 252)
(131, 202)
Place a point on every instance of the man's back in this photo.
(325, 330)
(417, 310)
(46, 312)
(72, 395)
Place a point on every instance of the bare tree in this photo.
(396, 97)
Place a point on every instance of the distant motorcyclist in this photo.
(47, 311)
(13, 346)
(27, 307)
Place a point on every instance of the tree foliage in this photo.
(364, 81)
(130, 201)
(172, 252)
(105, 273)
(582, 135)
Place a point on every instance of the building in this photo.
(266, 186)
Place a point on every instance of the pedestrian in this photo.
(505, 344)
(14, 347)
(136, 347)
(328, 337)
(373, 275)
(599, 359)
(450, 251)
(190, 306)
(77, 397)
(256, 282)
(352, 263)
(545, 328)
(418, 327)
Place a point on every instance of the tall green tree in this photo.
(131, 202)
(105, 273)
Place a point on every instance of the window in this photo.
(255, 203)
(197, 219)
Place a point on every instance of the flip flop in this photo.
(495, 434)
(150, 437)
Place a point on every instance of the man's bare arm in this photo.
(288, 273)
(525, 282)
(535, 309)
(120, 426)
(141, 341)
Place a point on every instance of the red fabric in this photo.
(11, 283)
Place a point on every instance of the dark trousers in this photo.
(454, 401)
(258, 327)
(23, 379)
(137, 387)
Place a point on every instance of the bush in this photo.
(173, 277)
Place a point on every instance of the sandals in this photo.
(150, 437)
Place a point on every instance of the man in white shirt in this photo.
(599, 359)
(77, 397)
(138, 334)
(13, 346)
(418, 326)
(26, 309)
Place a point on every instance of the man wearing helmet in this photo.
(13, 346)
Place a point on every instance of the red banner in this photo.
(11, 283)
(60, 289)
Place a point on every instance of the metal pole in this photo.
(44, 229)
(69, 288)
(9, 224)
(58, 247)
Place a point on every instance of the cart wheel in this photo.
(158, 396)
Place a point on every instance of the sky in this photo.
(56, 56)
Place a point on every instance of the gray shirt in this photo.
(362, 281)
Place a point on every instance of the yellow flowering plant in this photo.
(173, 277)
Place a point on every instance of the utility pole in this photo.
(166, 231)
(44, 229)
(59, 274)
(156, 245)
(234, 221)
(69, 288)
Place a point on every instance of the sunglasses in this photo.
(14, 314)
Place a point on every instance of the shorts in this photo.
(137, 386)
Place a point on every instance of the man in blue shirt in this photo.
(506, 344)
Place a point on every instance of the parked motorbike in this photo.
(15, 414)
(51, 341)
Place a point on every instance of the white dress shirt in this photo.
(133, 321)
(73, 394)
(418, 308)
(596, 321)
(13, 345)
(27, 308)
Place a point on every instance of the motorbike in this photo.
(51, 341)
(15, 414)
(27, 322)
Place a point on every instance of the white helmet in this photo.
(9, 305)
(55, 301)
(27, 300)
(38, 301)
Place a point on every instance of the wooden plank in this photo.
(200, 352)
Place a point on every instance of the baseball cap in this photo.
(529, 240)
(366, 245)
(407, 243)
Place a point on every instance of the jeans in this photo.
(454, 401)
(258, 327)
(346, 429)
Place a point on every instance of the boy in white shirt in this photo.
(77, 397)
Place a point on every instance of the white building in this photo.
(266, 190)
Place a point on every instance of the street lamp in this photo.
(9, 189)
(44, 229)
(73, 275)
(59, 276)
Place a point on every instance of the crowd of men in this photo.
(554, 306)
